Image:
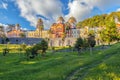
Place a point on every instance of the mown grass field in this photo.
(101, 65)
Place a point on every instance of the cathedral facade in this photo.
(14, 31)
(62, 29)
(64, 33)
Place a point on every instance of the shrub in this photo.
(33, 51)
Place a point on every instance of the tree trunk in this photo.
(109, 43)
(90, 50)
(79, 50)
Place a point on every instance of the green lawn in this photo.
(11, 47)
(107, 70)
(61, 65)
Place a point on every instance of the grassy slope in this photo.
(52, 67)
(106, 68)
(109, 69)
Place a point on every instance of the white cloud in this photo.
(79, 10)
(82, 9)
(118, 9)
(48, 10)
(4, 26)
(24, 28)
(104, 4)
(4, 5)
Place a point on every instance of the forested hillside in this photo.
(99, 20)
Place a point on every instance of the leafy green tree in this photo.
(2, 41)
(91, 32)
(85, 43)
(118, 38)
(22, 35)
(91, 42)
(79, 25)
(102, 20)
(33, 51)
(5, 51)
(67, 26)
(23, 46)
(79, 44)
(7, 40)
(63, 38)
(43, 46)
(53, 49)
(110, 33)
(28, 53)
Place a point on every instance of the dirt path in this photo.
(86, 68)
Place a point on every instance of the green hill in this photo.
(102, 65)
(99, 20)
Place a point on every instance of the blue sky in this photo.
(26, 12)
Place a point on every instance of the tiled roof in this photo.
(118, 25)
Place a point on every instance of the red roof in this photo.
(118, 25)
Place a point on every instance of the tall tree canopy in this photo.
(110, 33)
(98, 20)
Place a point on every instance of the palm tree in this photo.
(40, 27)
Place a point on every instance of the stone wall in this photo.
(52, 42)
(29, 41)
(59, 42)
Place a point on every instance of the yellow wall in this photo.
(35, 34)
(14, 33)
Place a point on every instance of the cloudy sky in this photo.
(26, 12)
